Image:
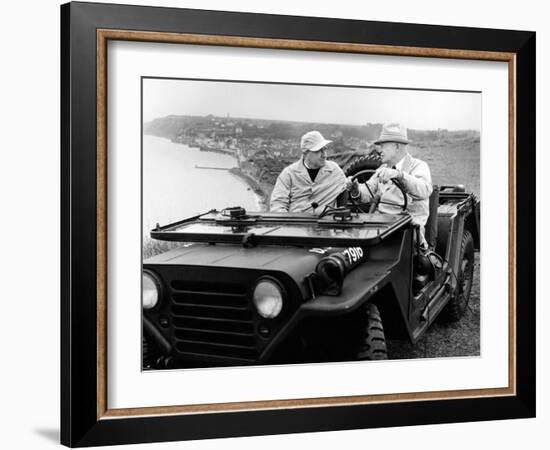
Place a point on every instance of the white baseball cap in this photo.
(313, 141)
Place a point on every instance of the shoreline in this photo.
(262, 198)
(259, 192)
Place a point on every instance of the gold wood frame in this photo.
(103, 36)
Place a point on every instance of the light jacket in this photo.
(417, 183)
(295, 192)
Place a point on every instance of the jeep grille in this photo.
(212, 320)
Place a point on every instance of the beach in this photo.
(180, 181)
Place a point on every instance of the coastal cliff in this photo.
(263, 148)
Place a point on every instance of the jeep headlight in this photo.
(150, 291)
(268, 298)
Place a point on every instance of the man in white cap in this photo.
(311, 183)
(397, 164)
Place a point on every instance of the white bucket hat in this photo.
(313, 141)
(393, 132)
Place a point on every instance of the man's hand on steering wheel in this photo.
(352, 185)
(384, 174)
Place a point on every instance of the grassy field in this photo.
(152, 247)
(452, 162)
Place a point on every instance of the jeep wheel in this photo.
(373, 341)
(369, 162)
(458, 303)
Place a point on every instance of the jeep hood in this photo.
(296, 262)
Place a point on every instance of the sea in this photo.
(175, 188)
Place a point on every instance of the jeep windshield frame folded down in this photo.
(300, 229)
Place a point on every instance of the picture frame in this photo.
(86, 418)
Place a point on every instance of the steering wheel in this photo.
(376, 198)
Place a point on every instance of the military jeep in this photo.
(257, 288)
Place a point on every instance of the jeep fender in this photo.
(389, 265)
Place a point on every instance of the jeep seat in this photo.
(431, 224)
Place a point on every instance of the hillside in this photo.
(264, 147)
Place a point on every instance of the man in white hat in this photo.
(311, 183)
(397, 164)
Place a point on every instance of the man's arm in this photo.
(418, 183)
(280, 197)
(366, 193)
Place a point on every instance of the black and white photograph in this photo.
(288, 223)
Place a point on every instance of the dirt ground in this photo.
(446, 339)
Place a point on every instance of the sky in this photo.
(416, 109)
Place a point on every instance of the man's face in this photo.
(389, 152)
(316, 160)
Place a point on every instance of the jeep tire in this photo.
(372, 345)
(371, 161)
(456, 307)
